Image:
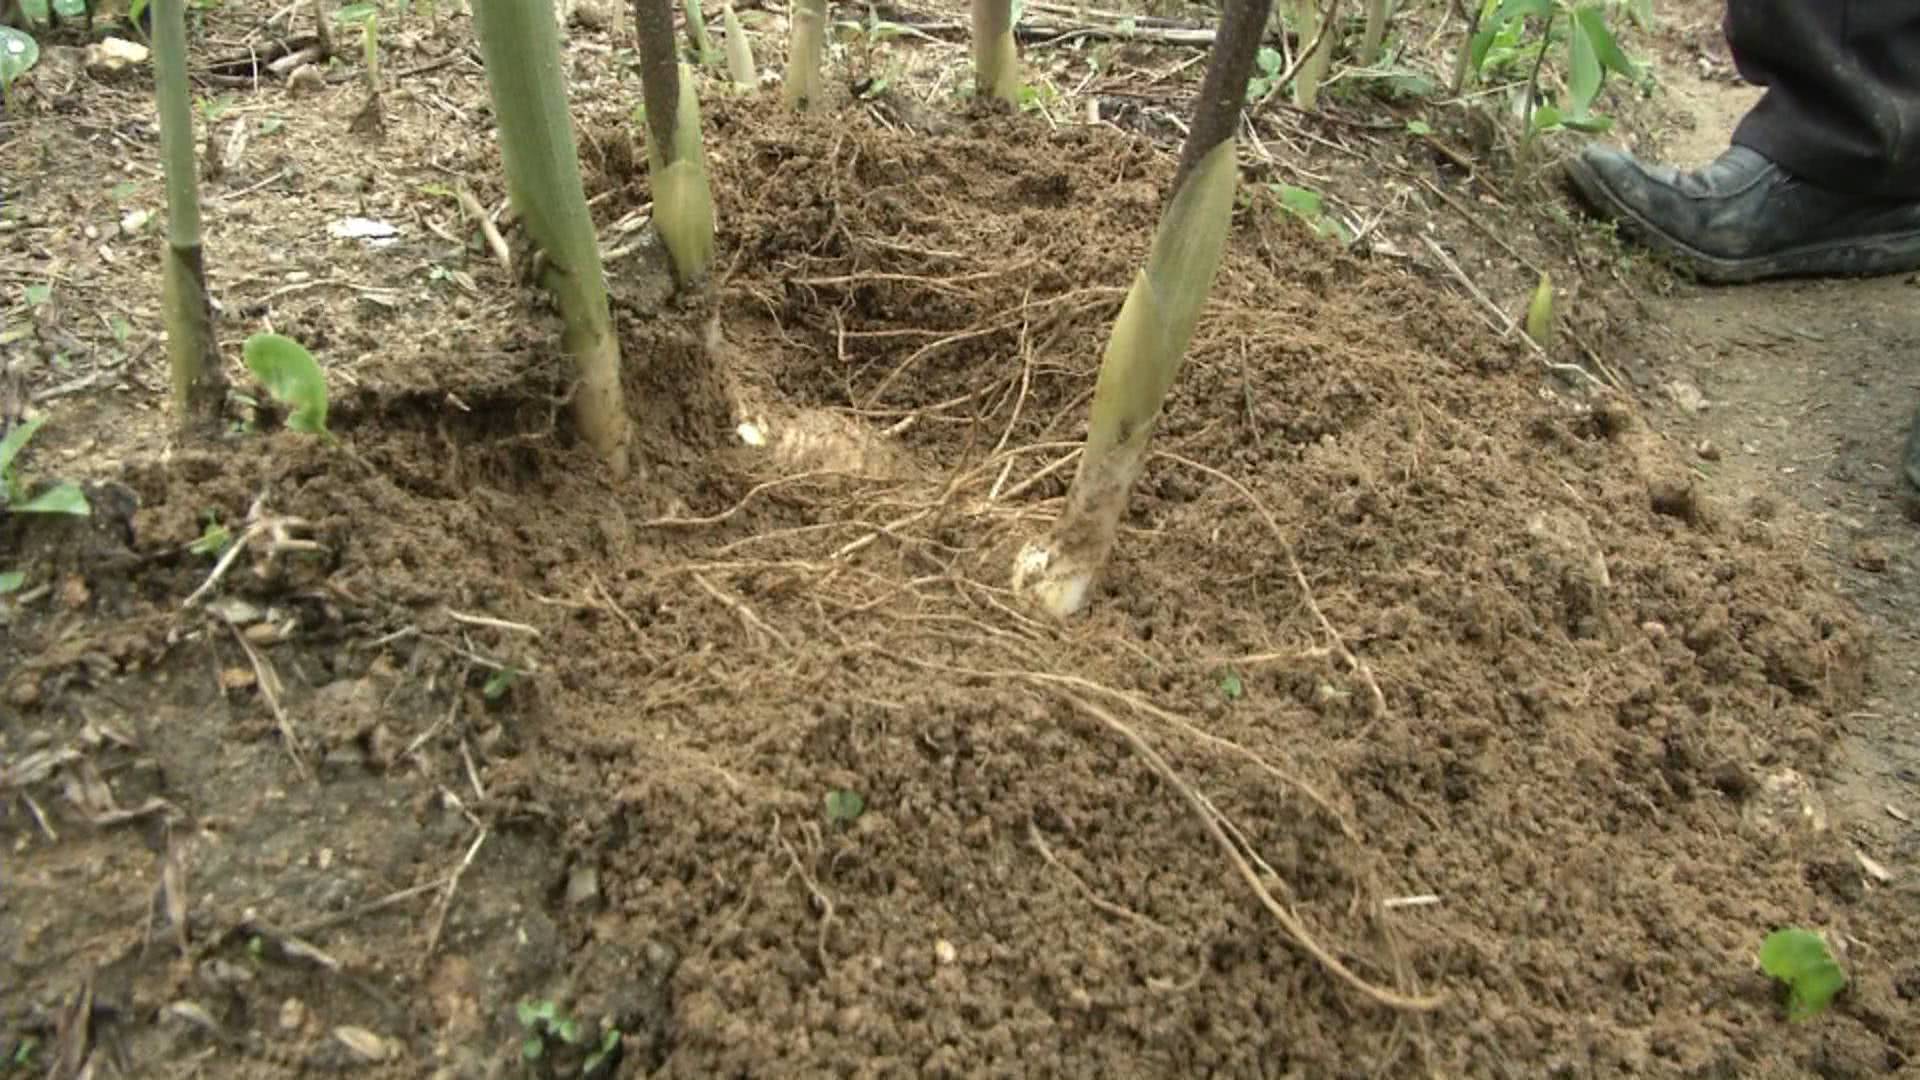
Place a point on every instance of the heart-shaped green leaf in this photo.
(293, 377)
(18, 53)
(1800, 959)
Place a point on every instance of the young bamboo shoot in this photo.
(199, 383)
(676, 161)
(996, 64)
(1156, 321)
(804, 52)
(739, 51)
(520, 47)
(697, 33)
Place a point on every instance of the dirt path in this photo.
(1803, 392)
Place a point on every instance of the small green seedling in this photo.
(1801, 960)
(62, 498)
(608, 1044)
(1307, 205)
(18, 53)
(1540, 312)
(10, 581)
(292, 377)
(844, 806)
(23, 1051)
(1232, 686)
(541, 1019)
(214, 538)
(1271, 66)
(499, 683)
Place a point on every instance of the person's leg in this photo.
(1823, 176)
(1842, 107)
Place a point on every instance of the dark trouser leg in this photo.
(1842, 107)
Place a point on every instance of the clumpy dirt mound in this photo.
(756, 761)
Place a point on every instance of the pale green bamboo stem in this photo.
(996, 62)
(520, 46)
(807, 46)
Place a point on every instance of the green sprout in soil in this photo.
(1309, 206)
(292, 377)
(603, 1053)
(1800, 960)
(214, 537)
(844, 806)
(15, 496)
(541, 1020)
(1540, 312)
(499, 683)
(1232, 687)
(544, 1020)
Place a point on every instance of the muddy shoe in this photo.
(1743, 218)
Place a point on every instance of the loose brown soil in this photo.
(1537, 729)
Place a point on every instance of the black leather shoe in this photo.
(1744, 218)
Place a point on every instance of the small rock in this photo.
(583, 884)
(1870, 555)
(306, 79)
(364, 1043)
(1707, 450)
(24, 694)
(293, 1015)
(74, 593)
(944, 952)
(114, 56)
(1687, 396)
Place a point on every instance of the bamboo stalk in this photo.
(996, 63)
(520, 46)
(199, 383)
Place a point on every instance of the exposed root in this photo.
(1339, 645)
(1210, 818)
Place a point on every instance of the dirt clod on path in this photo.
(595, 729)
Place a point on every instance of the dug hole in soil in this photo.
(1532, 742)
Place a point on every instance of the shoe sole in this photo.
(1871, 256)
